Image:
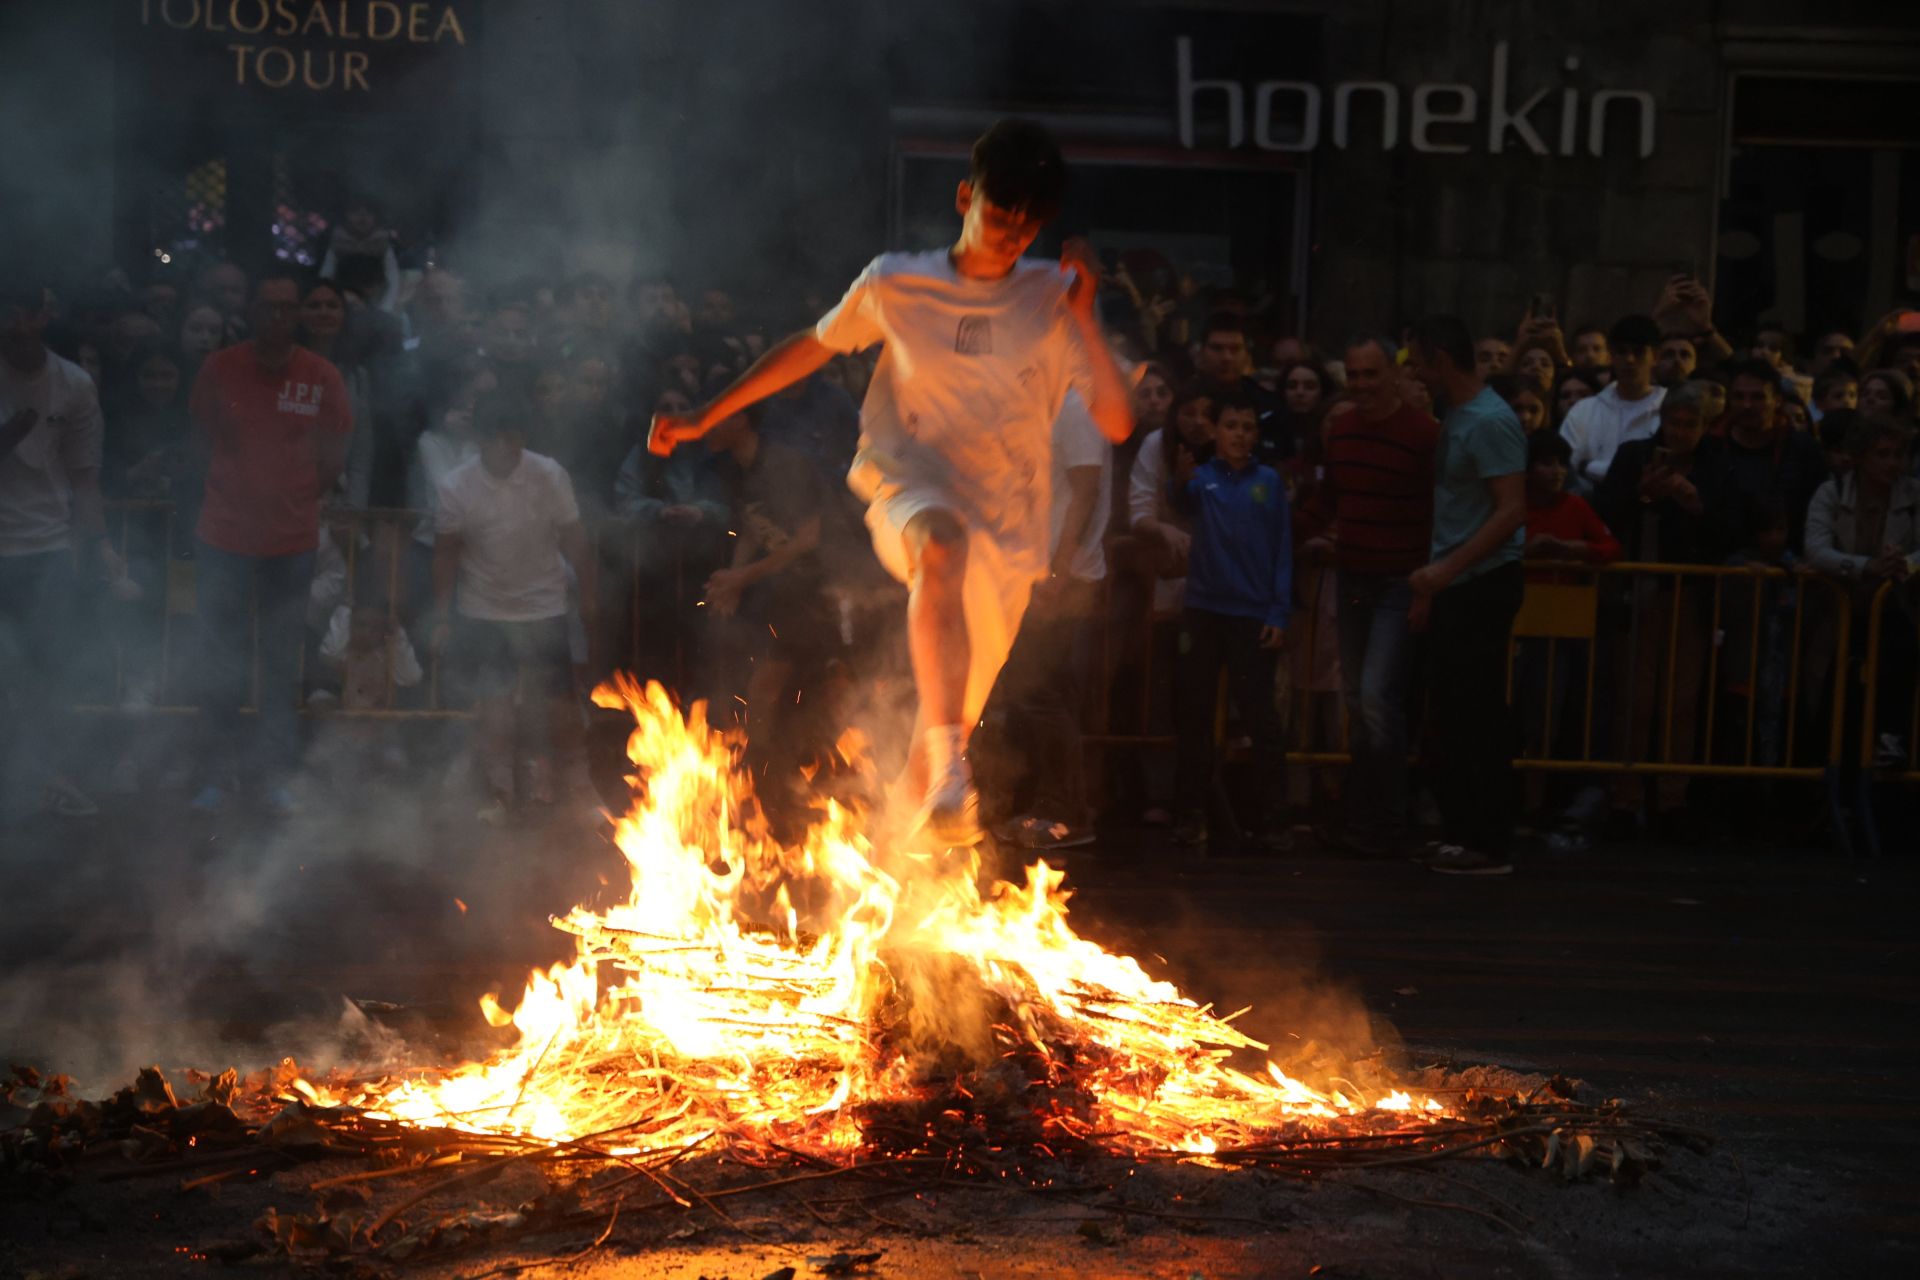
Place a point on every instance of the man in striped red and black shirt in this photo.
(1371, 515)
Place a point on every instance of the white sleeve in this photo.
(339, 629)
(854, 324)
(1573, 429)
(1077, 441)
(390, 267)
(406, 665)
(1147, 479)
(449, 507)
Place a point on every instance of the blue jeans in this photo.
(1376, 660)
(236, 592)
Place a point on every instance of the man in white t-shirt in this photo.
(50, 520)
(1627, 409)
(955, 457)
(506, 529)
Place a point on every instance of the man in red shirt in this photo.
(273, 420)
(1371, 515)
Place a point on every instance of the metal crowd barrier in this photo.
(1711, 643)
(1621, 669)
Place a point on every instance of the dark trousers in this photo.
(252, 626)
(38, 644)
(1472, 731)
(1046, 686)
(1376, 666)
(1209, 644)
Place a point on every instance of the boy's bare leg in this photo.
(939, 646)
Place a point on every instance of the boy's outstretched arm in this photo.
(784, 364)
(1110, 400)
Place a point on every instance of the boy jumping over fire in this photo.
(955, 459)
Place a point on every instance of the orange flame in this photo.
(699, 1010)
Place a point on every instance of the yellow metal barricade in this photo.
(1708, 641)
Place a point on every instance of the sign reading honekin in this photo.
(1444, 118)
(335, 47)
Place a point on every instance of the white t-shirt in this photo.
(965, 396)
(1077, 442)
(36, 486)
(1596, 427)
(510, 564)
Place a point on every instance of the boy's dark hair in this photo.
(297, 279)
(1372, 338)
(1634, 330)
(1444, 335)
(1762, 514)
(1196, 389)
(1509, 385)
(1547, 446)
(1235, 398)
(1226, 322)
(1017, 165)
(1787, 343)
(1758, 370)
(1586, 329)
(1841, 370)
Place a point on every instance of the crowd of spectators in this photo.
(395, 489)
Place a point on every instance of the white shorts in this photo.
(994, 594)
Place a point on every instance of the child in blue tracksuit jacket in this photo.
(1239, 596)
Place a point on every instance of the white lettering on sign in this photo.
(1439, 119)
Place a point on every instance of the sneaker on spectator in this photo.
(1457, 860)
(1890, 754)
(68, 801)
(280, 802)
(1274, 838)
(1588, 806)
(539, 781)
(212, 799)
(1191, 830)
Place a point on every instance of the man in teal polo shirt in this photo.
(1470, 591)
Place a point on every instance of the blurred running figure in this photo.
(955, 457)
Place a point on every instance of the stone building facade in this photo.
(1360, 160)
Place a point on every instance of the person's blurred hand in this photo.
(1273, 639)
(723, 592)
(1078, 258)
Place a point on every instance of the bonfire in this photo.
(808, 1010)
(791, 996)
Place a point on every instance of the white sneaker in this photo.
(953, 811)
